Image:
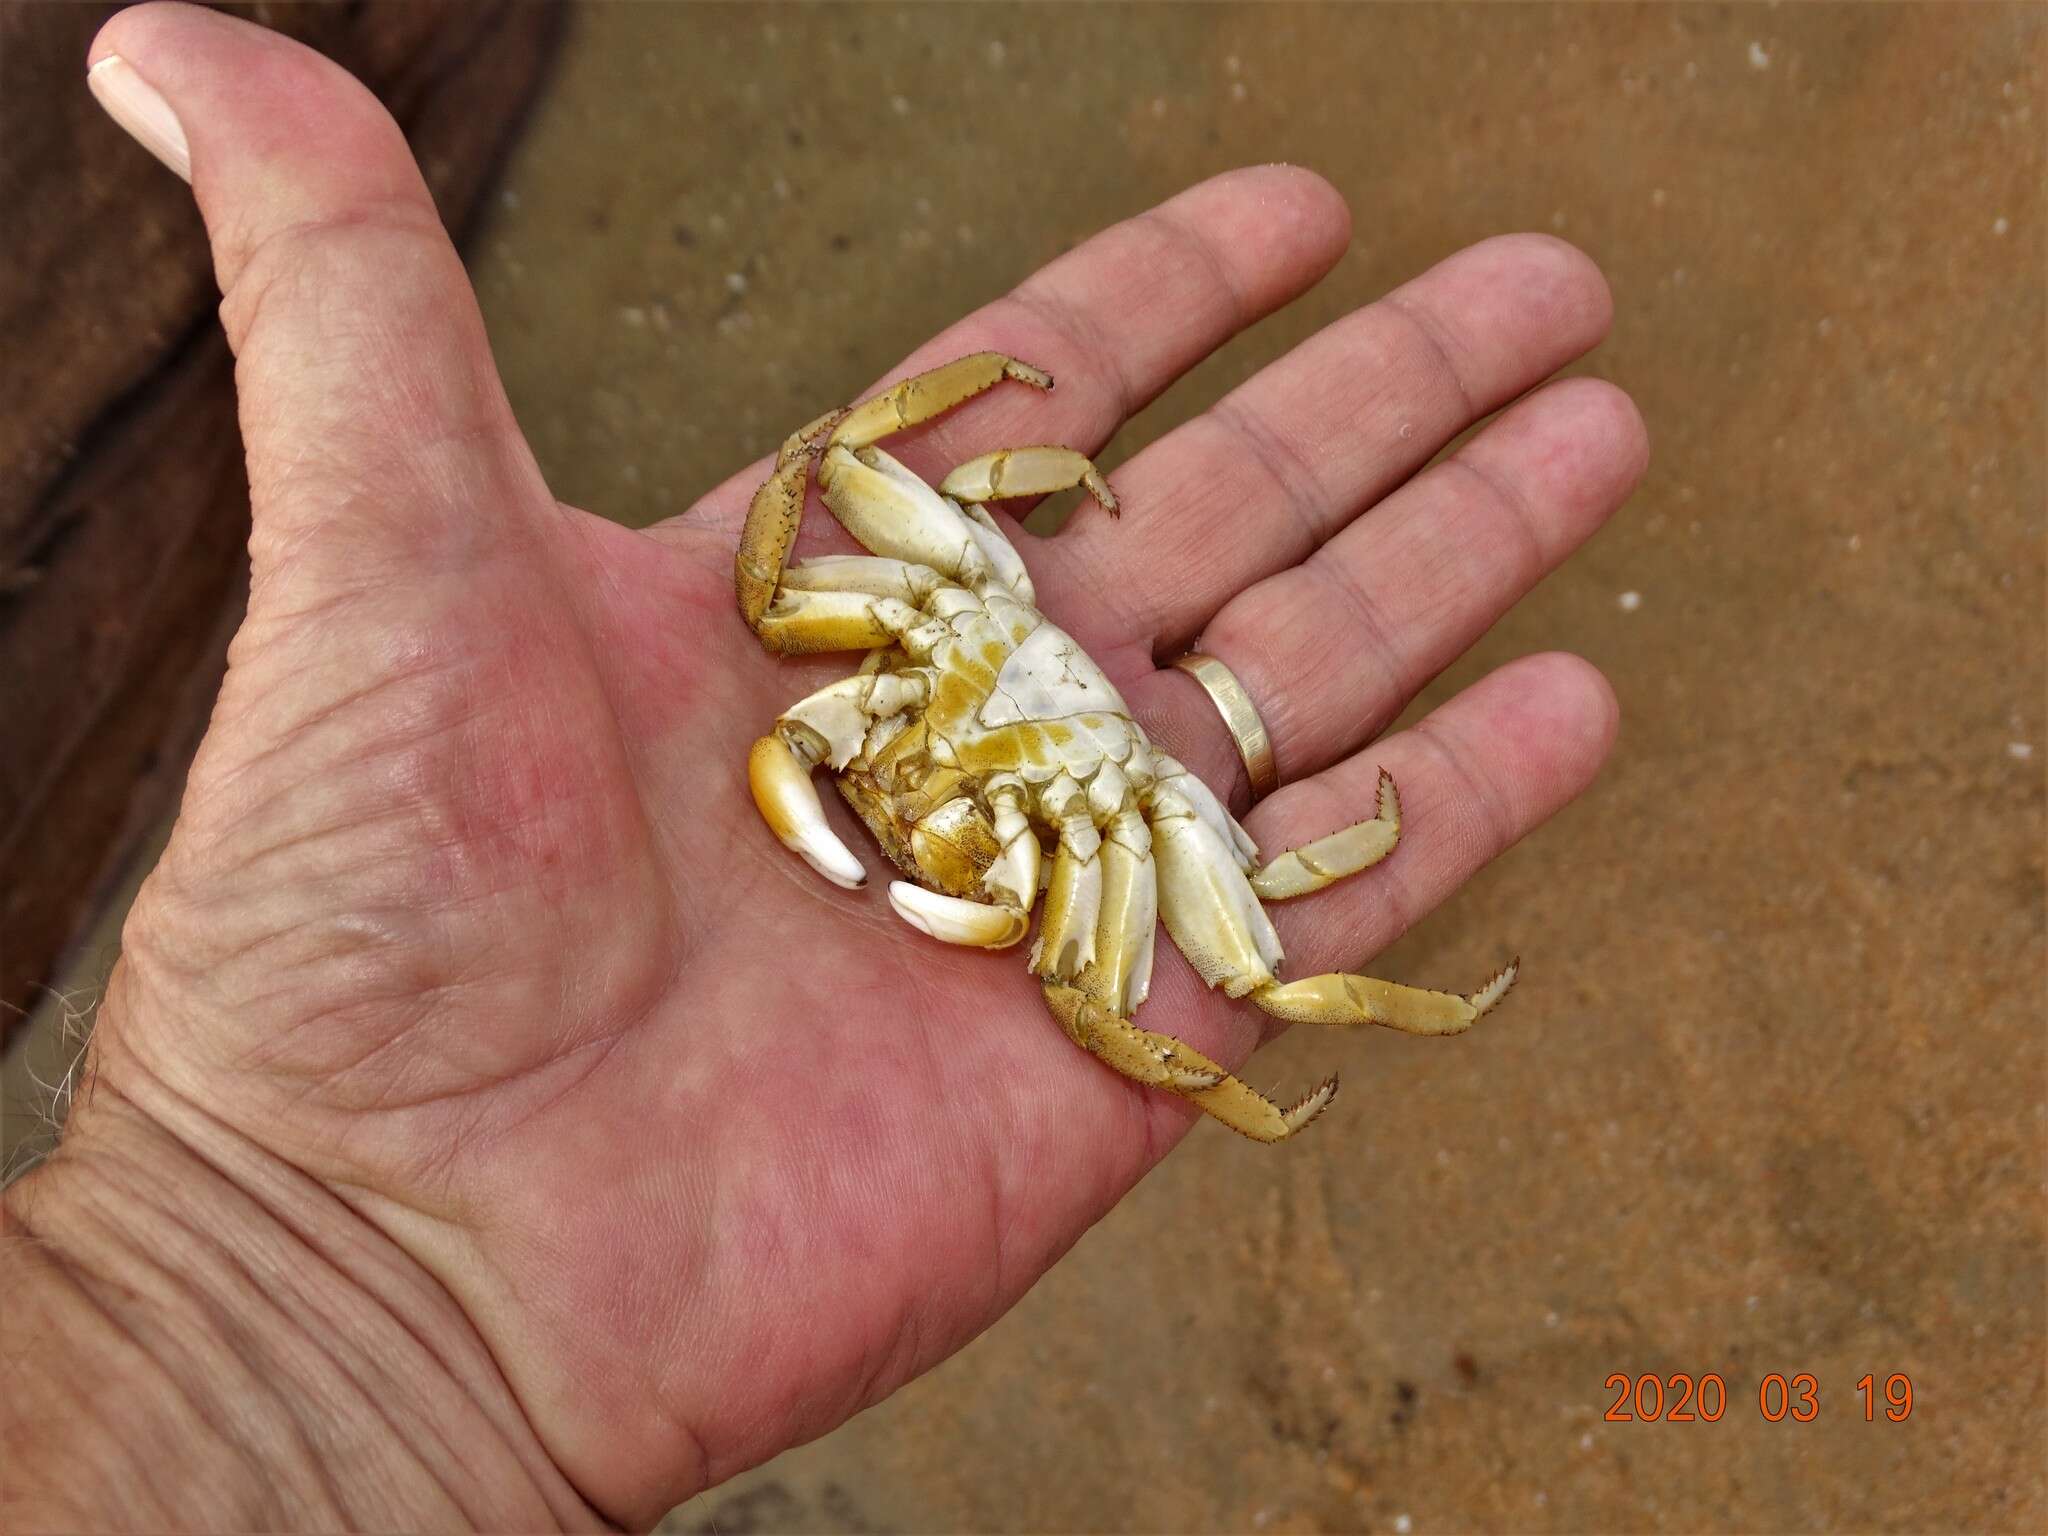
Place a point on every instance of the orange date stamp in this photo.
(1683, 1399)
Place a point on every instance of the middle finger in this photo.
(1257, 483)
(1330, 651)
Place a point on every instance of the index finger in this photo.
(1119, 318)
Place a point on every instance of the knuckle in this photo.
(303, 268)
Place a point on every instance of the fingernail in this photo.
(137, 106)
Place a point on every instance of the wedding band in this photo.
(1239, 718)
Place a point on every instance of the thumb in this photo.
(375, 426)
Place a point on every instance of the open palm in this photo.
(468, 914)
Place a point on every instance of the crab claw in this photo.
(788, 802)
(953, 921)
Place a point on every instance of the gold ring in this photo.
(1239, 718)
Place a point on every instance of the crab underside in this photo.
(994, 761)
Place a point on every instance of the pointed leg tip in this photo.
(1488, 997)
(1316, 1102)
(1098, 487)
(1389, 799)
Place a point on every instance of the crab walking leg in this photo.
(774, 516)
(1142, 1055)
(1002, 554)
(1176, 792)
(1161, 1061)
(1127, 925)
(901, 517)
(867, 575)
(778, 506)
(1039, 470)
(800, 623)
(1092, 1007)
(1207, 904)
(1121, 976)
(1215, 917)
(995, 545)
(1329, 859)
(1013, 877)
(932, 393)
(1338, 998)
(1073, 896)
(895, 514)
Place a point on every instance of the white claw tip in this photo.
(953, 921)
(836, 864)
(788, 801)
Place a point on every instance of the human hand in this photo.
(470, 952)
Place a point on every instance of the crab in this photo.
(993, 761)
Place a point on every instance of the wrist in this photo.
(199, 1335)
